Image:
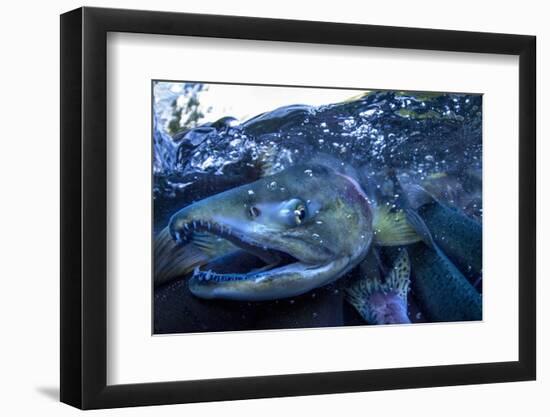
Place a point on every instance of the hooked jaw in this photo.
(283, 275)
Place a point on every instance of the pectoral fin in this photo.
(391, 228)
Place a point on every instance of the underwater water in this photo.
(366, 210)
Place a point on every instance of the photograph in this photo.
(267, 209)
(295, 207)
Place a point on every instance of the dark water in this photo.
(435, 139)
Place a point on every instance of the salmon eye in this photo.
(292, 212)
(300, 213)
(254, 212)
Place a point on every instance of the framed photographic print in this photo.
(257, 208)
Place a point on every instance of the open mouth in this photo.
(249, 269)
(250, 260)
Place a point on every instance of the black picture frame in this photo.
(84, 207)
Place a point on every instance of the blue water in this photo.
(420, 133)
